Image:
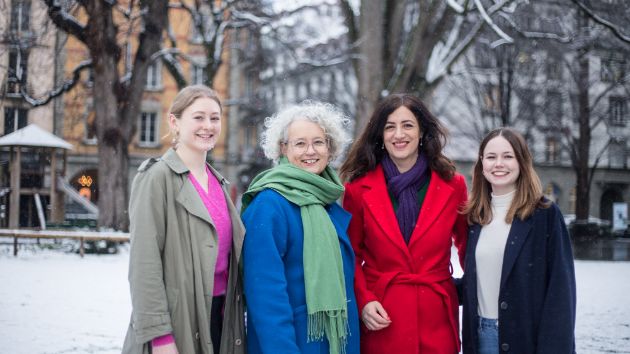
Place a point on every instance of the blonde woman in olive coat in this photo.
(175, 242)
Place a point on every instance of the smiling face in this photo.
(401, 137)
(199, 126)
(500, 166)
(306, 146)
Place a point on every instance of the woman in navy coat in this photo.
(519, 284)
(298, 262)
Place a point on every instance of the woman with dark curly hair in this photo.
(404, 197)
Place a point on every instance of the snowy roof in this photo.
(32, 135)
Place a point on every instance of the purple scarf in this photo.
(405, 188)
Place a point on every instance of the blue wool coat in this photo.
(274, 277)
(537, 291)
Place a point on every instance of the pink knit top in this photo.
(214, 200)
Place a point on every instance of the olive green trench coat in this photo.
(172, 259)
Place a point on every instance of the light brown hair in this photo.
(528, 194)
(188, 95)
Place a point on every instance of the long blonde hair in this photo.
(528, 195)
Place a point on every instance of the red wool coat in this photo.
(413, 282)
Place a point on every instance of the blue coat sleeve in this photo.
(557, 326)
(269, 311)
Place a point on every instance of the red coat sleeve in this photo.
(353, 203)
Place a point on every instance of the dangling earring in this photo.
(382, 146)
(421, 141)
(175, 140)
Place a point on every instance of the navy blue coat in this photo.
(537, 292)
(274, 277)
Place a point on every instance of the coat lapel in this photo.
(436, 199)
(378, 203)
(187, 196)
(516, 238)
(191, 201)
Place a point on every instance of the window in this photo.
(612, 68)
(582, 20)
(90, 127)
(554, 67)
(618, 111)
(484, 57)
(197, 74)
(491, 104)
(617, 153)
(17, 73)
(14, 119)
(551, 150)
(154, 76)
(148, 129)
(553, 108)
(20, 17)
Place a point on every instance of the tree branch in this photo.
(447, 58)
(595, 17)
(535, 35)
(64, 87)
(66, 22)
(488, 20)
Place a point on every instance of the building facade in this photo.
(534, 85)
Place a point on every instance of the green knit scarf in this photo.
(323, 269)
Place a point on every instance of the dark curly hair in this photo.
(367, 152)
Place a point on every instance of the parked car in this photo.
(570, 218)
(593, 227)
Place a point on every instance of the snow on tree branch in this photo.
(65, 21)
(65, 87)
(444, 54)
(495, 28)
(455, 6)
(602, 21)
(535, 35)
(250, 17)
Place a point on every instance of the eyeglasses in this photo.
(301, 146)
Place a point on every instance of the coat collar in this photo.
(435, 201)
(377, 202)
(173, 161)
(188, 196)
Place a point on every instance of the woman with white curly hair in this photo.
(298, 262)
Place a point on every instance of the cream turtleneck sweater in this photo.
(489, 256)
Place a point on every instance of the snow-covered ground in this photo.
(56, 302)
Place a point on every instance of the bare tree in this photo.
(565, 55)
(211, 25)
(118, 91)
(411, 45)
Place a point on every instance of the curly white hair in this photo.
(328, 117)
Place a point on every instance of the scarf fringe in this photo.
(333, 324)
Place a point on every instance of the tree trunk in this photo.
(370, 66)
(580, 164)
(117, 104)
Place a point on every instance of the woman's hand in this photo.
(165, 349)
(374, 316)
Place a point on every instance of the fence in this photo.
(82, 236)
